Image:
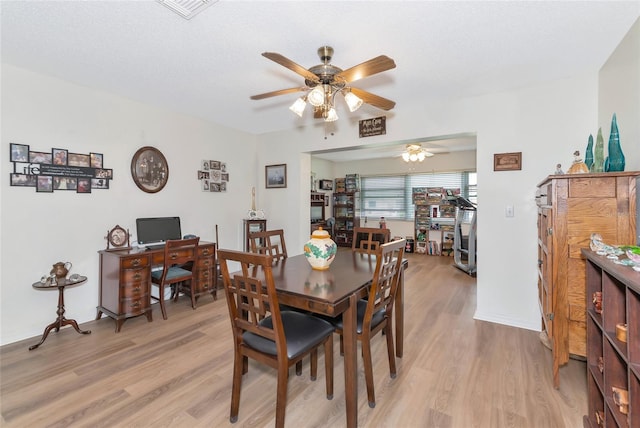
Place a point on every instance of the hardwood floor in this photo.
(456, 372)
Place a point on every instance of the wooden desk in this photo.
(125, 280)
(349, 278)
(61, 321)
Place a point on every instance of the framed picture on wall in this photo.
(507, 161)
(149, 169)
(326, 184)
(275, 176)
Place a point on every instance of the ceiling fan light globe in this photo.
(421, 156)
(353, 101)
(298, 106)
(413, 157)
(405, 156)
(316, 96)
(332, 116)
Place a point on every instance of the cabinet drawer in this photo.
(135, 262)
(205, 263)
(133, 291)
(206, 251)
(600, 187)
(134, 276)
(205, 284)
(134, 306)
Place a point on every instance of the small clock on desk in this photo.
(118, 239)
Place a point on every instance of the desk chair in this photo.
(368, 239)
(279, 339)
(375, 313)
(269, 242)
(178, 255)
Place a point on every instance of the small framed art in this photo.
(275, 176)
(507, 161)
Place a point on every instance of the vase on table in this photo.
(598, 157)
(588, 154)
(615, 157)
(320, 250)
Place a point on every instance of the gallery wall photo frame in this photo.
(275, 176)
(507, 161)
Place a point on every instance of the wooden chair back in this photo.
(181, 253)
(269, 242)
(385, 280)
(369, 239)
(252, 297)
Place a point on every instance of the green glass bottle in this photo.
(588, 154)
(598, 159)
(615, 158)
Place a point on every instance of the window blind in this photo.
(390, 196)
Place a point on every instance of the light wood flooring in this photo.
(456, 372)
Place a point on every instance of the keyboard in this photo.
(155, 247)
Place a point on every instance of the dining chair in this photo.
(179, 263)
(269, 242)
(263, 332)
(376, 312)
(368, 239)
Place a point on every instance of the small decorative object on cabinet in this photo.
(615, 157)
(570, 209)
(346, 212)
(118, 238)
(613, 365)
(578, 166)
(598, 153)
(588, 154)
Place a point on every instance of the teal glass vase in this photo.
(588, 154)
(615, 157)
(598, 158)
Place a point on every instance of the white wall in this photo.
(546, 123)
(39, 229)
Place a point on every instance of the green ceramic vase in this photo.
(615, 158)
(588, 154)
(598, 159)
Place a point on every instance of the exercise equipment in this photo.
(464, 246)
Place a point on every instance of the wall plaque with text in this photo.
(371, 127)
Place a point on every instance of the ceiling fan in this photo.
(324, 81)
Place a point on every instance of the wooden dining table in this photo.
(335, 292)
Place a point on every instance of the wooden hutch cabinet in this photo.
(346, 212)
(570, 208)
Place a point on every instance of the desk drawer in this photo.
(134, 291)
(134, 276)
(135, 262)
(134, 306)
(205, 263)
(206, 251)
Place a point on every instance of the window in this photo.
(389, 196)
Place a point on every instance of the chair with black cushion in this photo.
(269, 242)
(375, 313)
(368, 239)
(179, 262)
(264, 333)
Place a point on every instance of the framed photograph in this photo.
(507, 161)
(65, 183)
(40, 157)
(275, 176)
(99, 183)
(84, 185)
(326, 184)
(79, 159)
(59, 156)
(149, 169)
(25, 180)
(19, 152)
(96, 160)
(44, 184)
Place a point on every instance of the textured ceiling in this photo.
(209, 66)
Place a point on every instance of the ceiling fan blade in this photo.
(276, 93)
(373, 66)
(374, 100)
(296, 68)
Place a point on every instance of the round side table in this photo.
(61, 321)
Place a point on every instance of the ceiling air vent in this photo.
(187, 8)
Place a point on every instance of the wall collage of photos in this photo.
(58, 170)
(213, 176)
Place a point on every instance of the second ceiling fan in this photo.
(324, 81)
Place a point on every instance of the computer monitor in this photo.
(157, 230)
